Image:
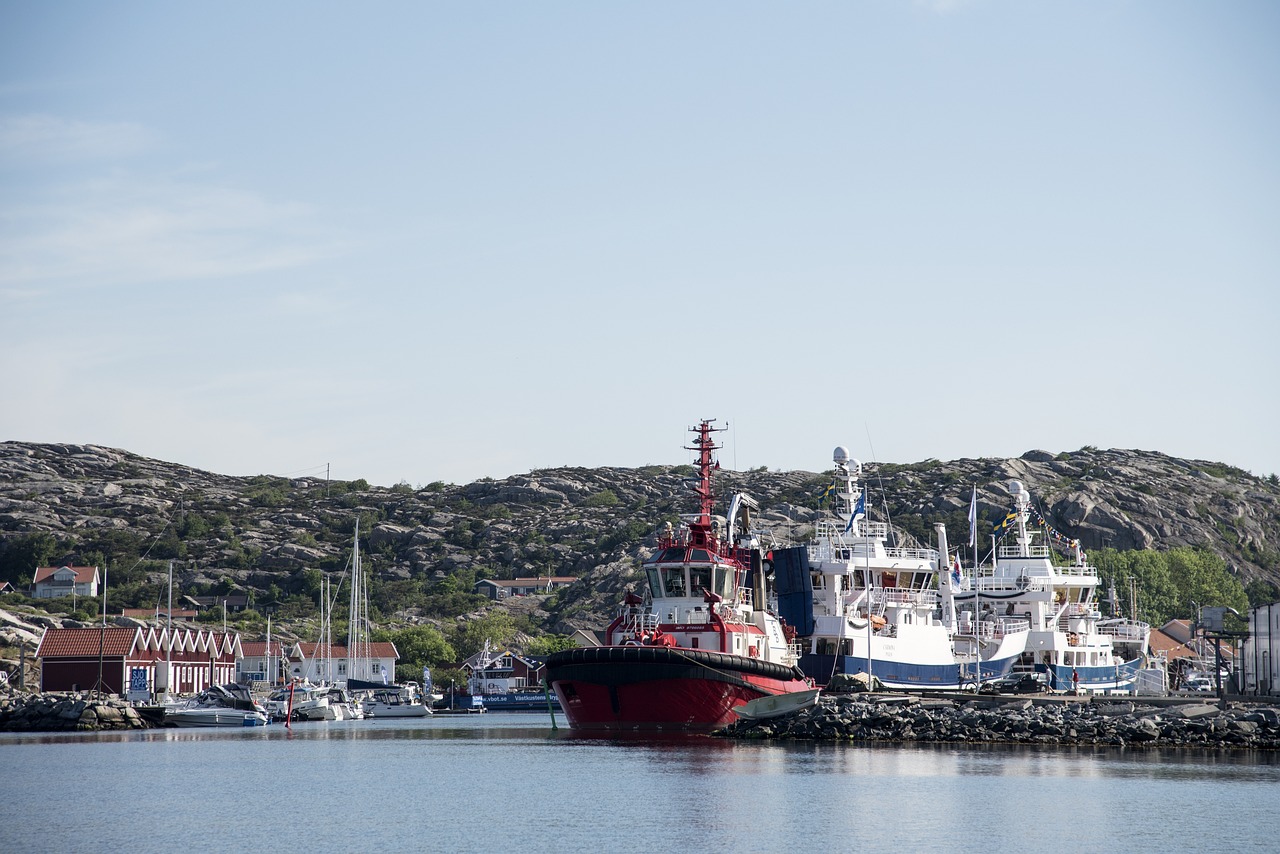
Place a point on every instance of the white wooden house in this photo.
(51, 582)
(314, 663)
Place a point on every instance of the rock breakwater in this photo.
(23, 712)
(896, 719)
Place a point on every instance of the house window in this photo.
(377, 668)
(342, 669)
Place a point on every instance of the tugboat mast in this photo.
(700, 530)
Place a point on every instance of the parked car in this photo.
(1016, 683)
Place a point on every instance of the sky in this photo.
(417, 242)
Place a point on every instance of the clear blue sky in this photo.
(440, 241)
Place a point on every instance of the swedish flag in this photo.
(827, 493)
(1003, 526)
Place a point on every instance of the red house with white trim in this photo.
(71, 659)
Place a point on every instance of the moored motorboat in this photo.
(701, 642)
(301, 701)
(395, 701)
(217, 706)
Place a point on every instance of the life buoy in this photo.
(753, 651)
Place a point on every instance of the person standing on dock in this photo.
(1075, 681)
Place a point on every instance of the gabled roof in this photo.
(258, 649)
(381, 649)
(79, 643)
(496, 660)
(186, 640)
(84, 574)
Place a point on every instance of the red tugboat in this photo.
(702, 644)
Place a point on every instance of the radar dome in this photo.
(840, 455)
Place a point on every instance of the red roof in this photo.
(84, 574)
(381, 649)
(258, 649)
(78, 643)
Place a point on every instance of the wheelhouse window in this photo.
(700, 555)
(673, 581)
(699, 579)
(724, 581)
(653, 581)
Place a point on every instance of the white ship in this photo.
(861, 605)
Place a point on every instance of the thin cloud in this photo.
(944, 7)
(44, 138)
(127, 230)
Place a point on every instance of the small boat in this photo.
(309, 702)
(494, 686)
(777, 705)
(218, 706)
(395, 701)
(703, 642)
(343, 705)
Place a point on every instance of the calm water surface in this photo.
(508, 783)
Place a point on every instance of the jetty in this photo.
(80, 711)
(1066, 721)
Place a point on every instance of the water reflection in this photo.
(419, 783)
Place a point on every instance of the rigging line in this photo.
(318, 468)
(880, 483)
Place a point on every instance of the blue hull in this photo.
(899, 674)
(517, 702)
(1092, 678)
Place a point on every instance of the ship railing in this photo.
(912, 554)
(832, 530)
(992, 629)
(1004, 584)
(1126, 630)
(1012, 550)
(1007, 626)
(906, 596)
(638, 621)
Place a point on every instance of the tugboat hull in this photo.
(624, 688)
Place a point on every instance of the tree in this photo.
(419, 646)
(498, 628)
(1202, 577)
(21, 555)
(547, 644)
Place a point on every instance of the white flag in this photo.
(973, 518)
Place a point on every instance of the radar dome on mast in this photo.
(840, 455)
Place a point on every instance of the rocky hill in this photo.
(100, 506)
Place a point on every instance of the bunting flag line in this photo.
(1058, 537)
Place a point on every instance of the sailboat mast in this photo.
(353, 611)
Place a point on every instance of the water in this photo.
(507, 783)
